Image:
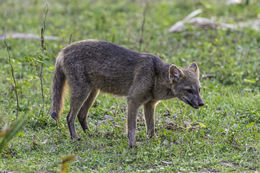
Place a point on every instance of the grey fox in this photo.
(90, 66)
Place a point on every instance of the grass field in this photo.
(223, 136)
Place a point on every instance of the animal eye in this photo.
(189, 91)
(199, 89)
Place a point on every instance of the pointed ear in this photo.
(175, 73)
(194, 67)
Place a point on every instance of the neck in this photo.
(162, 87)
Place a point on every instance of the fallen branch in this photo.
(234, 2)
(26, 36)
(180, 25)
(201, 22)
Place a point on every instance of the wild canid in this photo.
(91, 66)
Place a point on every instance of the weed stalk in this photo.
(42, 50)
(12, 72)
(141, 39)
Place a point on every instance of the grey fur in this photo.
(91, 66)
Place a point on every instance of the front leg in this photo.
(149, 109)
(139, 93)
(131, 121)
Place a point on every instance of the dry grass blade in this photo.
(4, 132)
(65, 163)
(9, 134)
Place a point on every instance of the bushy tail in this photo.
(57, 95)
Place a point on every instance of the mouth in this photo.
(188, 102)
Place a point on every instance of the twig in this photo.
(142, 26)
(12, 71)
(42, 49)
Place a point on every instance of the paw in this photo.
(75, 138)
(132, 146)
(86, 129)
(54, 116)
(151, 135)
(132, 142)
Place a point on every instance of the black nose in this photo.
(201, 103)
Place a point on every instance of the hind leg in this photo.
(78, 96)
(83, 113)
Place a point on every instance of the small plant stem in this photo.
(70, 39)
(142, 26)
(12, 72)
(42, 50)
(41, 70)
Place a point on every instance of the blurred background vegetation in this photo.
(222, 136)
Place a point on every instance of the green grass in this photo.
(222, 136)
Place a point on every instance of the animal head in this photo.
(185, 84)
